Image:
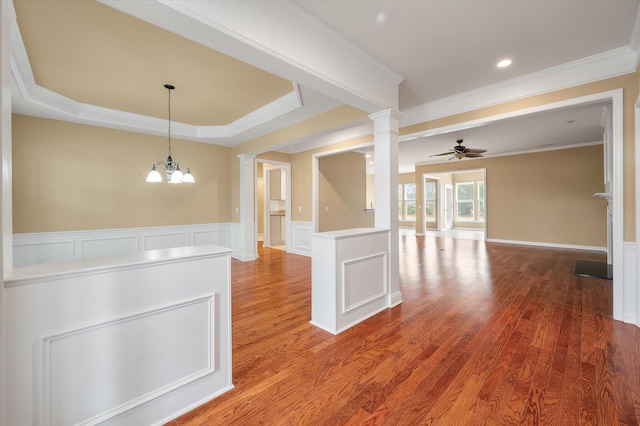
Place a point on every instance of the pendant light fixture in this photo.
(172, 168)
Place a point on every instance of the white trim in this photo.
(617, 191)
(40, 247)
(551, 245)
(631, 290)
(287, 200)
(636, 116)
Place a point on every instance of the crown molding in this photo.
(31, 99)
(594, 68)
(332, 136)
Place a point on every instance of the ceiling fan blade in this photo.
(475, 151)
(444, 153)
(473, 155)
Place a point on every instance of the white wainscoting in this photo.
(364, 280)
(301, 237)
(349, 277)
(125, 340)
(122, 358)
(31, 249)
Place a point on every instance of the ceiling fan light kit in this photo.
(460, 152)
(171, 168)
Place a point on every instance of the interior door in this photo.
(448, 207)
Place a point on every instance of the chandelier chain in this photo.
(169, 109)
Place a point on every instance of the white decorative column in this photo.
(6, 252)
(247, 246)
(385, 132)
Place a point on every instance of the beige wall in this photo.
(542, 197)
(301, 177)
(275, 156)
(75, 177)
(342, 192)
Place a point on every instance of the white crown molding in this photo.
(32, 99)
(358, 129)
(594, 68)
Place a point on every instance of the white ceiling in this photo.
(444, 50)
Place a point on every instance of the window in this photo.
(430, 201)
(480, 201)
(407, 202)
(464, 201)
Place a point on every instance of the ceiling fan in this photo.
(461, 152)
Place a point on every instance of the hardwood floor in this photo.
(488, 333)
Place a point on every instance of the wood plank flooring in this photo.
(489, 334)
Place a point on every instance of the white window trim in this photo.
(479, 200)
(472, 201)
(403, 203)
(432, 219)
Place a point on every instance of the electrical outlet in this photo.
(326, 208)
(299, 209)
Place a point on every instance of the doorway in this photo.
(273, 204)
(455, 203)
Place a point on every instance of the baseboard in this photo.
(549, 245)
(193, 406)
(395, 299)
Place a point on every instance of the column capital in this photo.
(245, 158)
(390, 113)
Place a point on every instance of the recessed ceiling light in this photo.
(370, 162)
(504, 63)
(381, 18)
(367, 155)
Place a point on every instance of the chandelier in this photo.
(171, 168)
